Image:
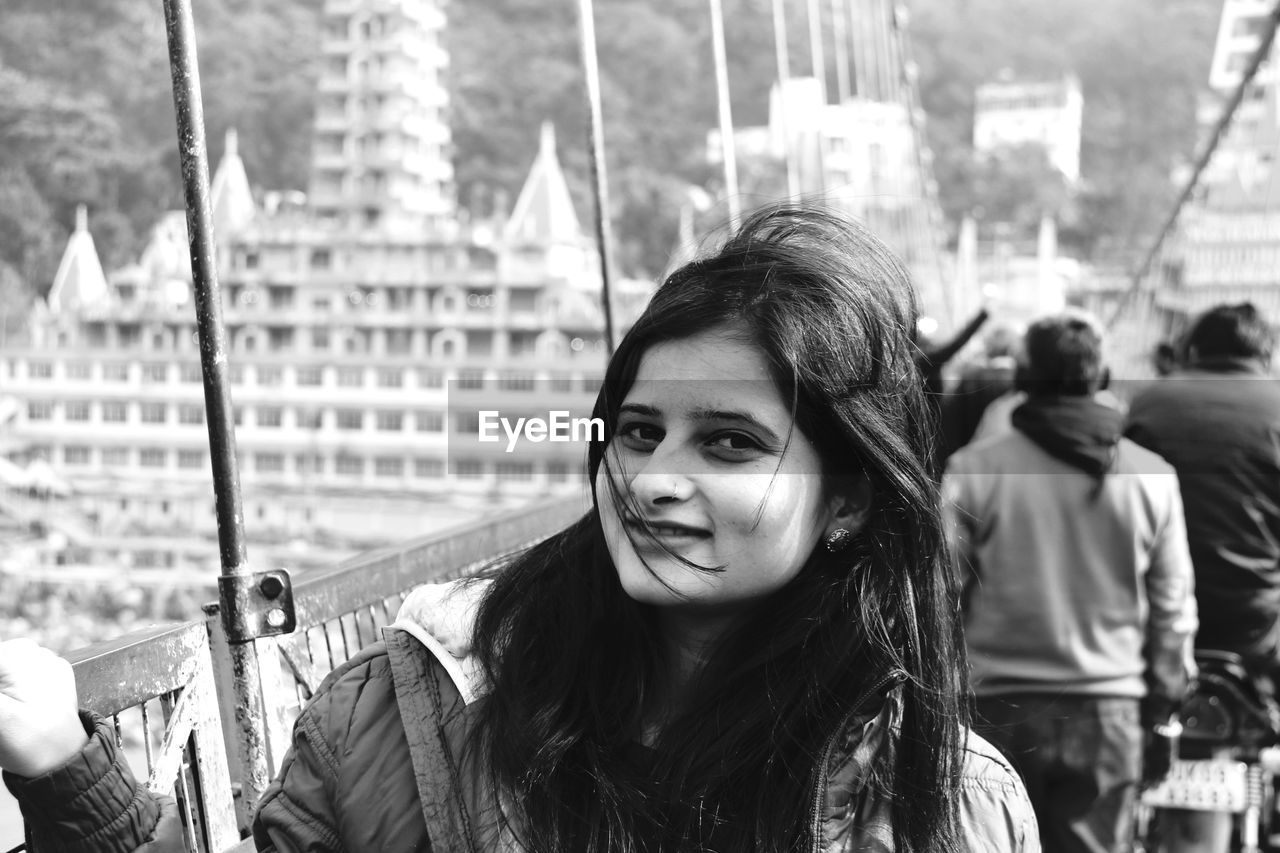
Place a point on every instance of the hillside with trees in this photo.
(86, 112)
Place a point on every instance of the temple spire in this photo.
(79, 281)
(230, 195)
(544, 212)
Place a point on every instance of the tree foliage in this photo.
(1141, 64)
(86, 111)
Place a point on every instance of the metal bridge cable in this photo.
(599, 179)
(784, 77)
(861, 73)
(727, 150)
(839, 22)
(1202, 161)
(818, 60)
(817, 55)
(866, 82)
(879, 92)
(928, 195)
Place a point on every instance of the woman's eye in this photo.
(639, 436)
(735, 444)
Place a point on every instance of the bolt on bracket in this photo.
(256, 605)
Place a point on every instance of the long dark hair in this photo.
(570, 658)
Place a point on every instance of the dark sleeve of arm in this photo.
(1135, 427)
(93, 804)
(947, 351)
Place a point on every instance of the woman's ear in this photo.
(851, 505)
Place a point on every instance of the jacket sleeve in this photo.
(298, 812)
(93, 804)
(995, 811)
(1172, 617)
(295, 812)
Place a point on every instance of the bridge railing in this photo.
(169, 691)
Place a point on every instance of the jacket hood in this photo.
(441, 616)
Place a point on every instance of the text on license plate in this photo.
(1201, 786)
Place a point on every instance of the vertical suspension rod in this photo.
(910, 83)
(599, 176)
(727, 148)
(784, 75)
(816, 54)
(839, 22)
(193, 154)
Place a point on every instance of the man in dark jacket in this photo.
(1218, 424)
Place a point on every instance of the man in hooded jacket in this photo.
(1079, 607)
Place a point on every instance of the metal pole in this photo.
(217, 390)
(910, 86)
(857, 40)
(595, 121)
(884, 25)
(839, 18)
(784, 77)
(726, 113)
(816, 54)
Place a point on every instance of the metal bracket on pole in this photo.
(260, 605)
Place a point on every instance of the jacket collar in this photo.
(851, 806)
(1229, 365)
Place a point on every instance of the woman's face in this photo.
(706, 452)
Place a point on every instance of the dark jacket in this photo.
(1218, 424)
(348, 784)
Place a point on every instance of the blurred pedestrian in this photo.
(979, 382)
(1165, 359)
(1218, 423)
(932, 357)
(1077, 591)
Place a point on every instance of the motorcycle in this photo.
(1227, 758)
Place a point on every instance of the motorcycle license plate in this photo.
(1201, 786)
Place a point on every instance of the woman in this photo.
(750, 642)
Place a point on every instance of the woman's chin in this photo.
(664, 581)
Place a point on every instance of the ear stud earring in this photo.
(837, 540)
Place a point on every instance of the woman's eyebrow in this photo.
(735, 417)
(638, 409)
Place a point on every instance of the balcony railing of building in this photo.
(170, 694)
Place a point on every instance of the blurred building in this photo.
(858, 155)
(1247, 152)
(368, 323)
(1010, 113)
(1227, 244)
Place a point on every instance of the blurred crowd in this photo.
(1104, 534)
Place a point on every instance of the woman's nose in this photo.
(665, 477)
(659, 488)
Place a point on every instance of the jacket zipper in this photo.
(820, 783)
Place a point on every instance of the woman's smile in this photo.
(709, 495)
(659, 532)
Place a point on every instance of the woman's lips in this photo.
(667, 532)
